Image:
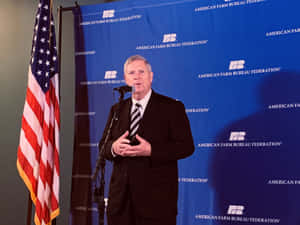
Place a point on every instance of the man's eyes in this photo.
(133, 72)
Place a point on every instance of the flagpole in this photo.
(29, 210)
(53, 222)
(50, 19)
(59, 11)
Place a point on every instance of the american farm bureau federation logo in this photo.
(110, 74)
(108, 13)
(237, 136)
(169, 38)
(237, 64)
(235, 210)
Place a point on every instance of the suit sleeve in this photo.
(179, 143)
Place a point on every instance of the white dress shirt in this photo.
(143, 102)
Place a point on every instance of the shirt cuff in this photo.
(112, 152)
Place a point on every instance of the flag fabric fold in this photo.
(38, 151)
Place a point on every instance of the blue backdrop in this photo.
(235, 66)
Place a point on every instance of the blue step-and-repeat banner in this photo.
(235, 64)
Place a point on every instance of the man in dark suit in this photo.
(151, 133)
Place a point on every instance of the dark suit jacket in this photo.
(151, 182)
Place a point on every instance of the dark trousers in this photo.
(129, 216)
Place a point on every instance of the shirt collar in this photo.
(144, 101)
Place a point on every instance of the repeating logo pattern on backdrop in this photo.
(238, 78)
(108, 13)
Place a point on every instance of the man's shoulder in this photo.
(165, 99)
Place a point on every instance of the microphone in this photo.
(123, 89)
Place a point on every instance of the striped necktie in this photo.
(135, 120)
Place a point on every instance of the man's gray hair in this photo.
(135, 58)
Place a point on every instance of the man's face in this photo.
(138, 76)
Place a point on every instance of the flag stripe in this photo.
(28, 151)
(27, 171)
(31, 137)
(35, 88)
(27, 180)
(35, 112)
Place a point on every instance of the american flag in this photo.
(38, 152)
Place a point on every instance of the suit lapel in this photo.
(148, 114)
(124, 120)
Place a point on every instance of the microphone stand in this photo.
(100, 166)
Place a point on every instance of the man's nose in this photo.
(137, 75)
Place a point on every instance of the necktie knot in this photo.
(138, 105)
